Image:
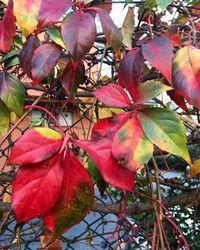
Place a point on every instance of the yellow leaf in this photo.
(195, 169)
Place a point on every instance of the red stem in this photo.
(50, 114)
(154, 235)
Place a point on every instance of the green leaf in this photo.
(96, 176)
(163, 3)
(148, 90)
(55, 35)
(165, 130)
(12, 92)
(4, 118)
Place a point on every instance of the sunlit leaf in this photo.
(186, 74)
(130, 145)
(12, 92)
(4, 118)
(159, 53)
(148, 90)
(7, 28)
(36, 188)
(52, 10)
(195, 168)
(165, 130)
(26, 12)
(79, 42)
(37, 144)
(113, 95)
(75, 199)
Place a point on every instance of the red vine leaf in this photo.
(159, 53)
(7, 28)
(113, 95)
(36, 188)
(75, 199)
(130, 70)
(52, 10)
(130, 145)
(26, 54)
(186, 74)
(44, 60)
(178, 99)
(113, 34)
(111, 171)
(38, 144)
(79, 41)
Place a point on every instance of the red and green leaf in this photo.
(130, 70)
(186, 74)
(112, 172)
(26, 54)
(26, 12)
(149, 90)
(49, 14)
(130, 145)
(7, 28)
(107, 127)
(44, 59)
(36, 188)
(12, 92)
(159, 53)
(164, 129)
(112, 33)
(113, 95)
(75, 199)
(36, 145)
(80, 41)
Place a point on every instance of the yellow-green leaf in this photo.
(127, 28)
(55, 35)
(4, 118)
(165, 130)
(195, 169)
(26, 12)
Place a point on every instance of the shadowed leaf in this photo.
(12, 92)
(130, 70)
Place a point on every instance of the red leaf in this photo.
(159, 53)
(79, 33)
(111, 171)
(72, 76)
(7, 28)
(178, 99)
(26, 54)
(174, 35)
(186, 74)
(75, 199)
(107, 127)
(130, 145)
(113, 95)
(112, 33)
(36, 188)
(36, 145)
(44, 60)
(52, 10)
(130, 70)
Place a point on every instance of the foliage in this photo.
(49, 43)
